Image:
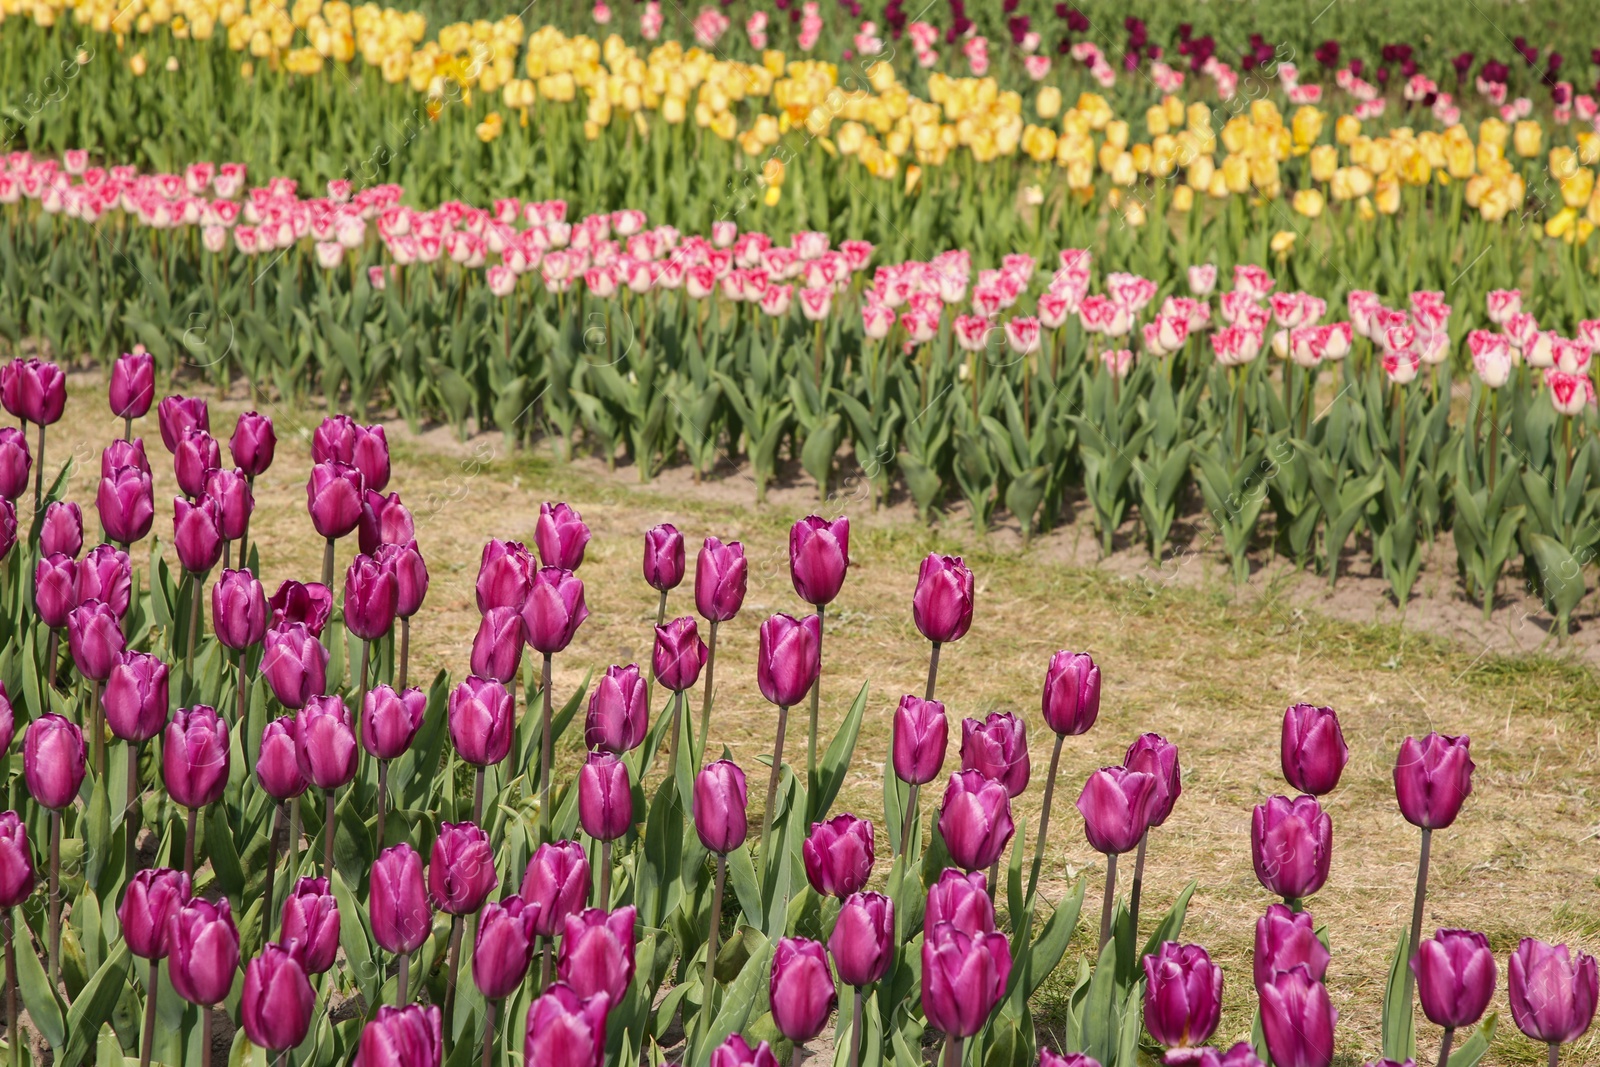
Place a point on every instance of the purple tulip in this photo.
(398, 903)
(311, 924)
(1291, 845)
(390, 720)
(605, 797)
(55, 589)
(720, 577)
(663, 557)
(15, 462)
(148, 901)
(497, 648)
(1071, 701)
(503, 947)
(294, 663)
(275, 1009)
(679, 654)
(238, 609)
(253, 444)
(16, 861)
(126, 502)
(556, 884)
(194, 756)
(597, 952)
(1432, 778)
(788, 658)
(94, 634)
(229, 490)
(554, 610)
(384, 521)
(1115, 805)
(180, 414)
(334, 439)
(8, 527)
(325, 743)
(203, 946)
(370, 596)
(942, 604)
(1183, 995)
(1298, 1020)
(619, 711)
(1157, 757)
(8, 723)
(34, 390)
(561, 536)
(921, 734)
(278, 762)
(412, 1036)
(460, 869)
(975, 820)
(801, 989)
(963, 978)
(196, 534)
(370, 455)
(198, 454)
(1552, 991)
(566, 1030)
(120, 453)
(838, 856)
(481, 721)
(961, 899)
(410, 576)
(1051, 1058)
(133, 385)
(862, 943)
(310, 603)
(819, 556)
(721, 803)
(53, 760)
(106, 575)
(62, 530)
(736, 1052)
(1240, 1055)
(504, 575)
(997, 747)
(1313, 748)
(333, 497)
(1285, 940)
(1455, 972)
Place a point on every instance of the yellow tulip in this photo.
(1526, 138)
(1460, 157)
(1236, 173)
(1589, 147)
(1324, 162)
(1080, 174)
(1236, 134)
(1117, 134)
(1592, 212)
(1492, 131)
(1577, 188)
(1563, 162)
(1155, 120)
(1199, 116)
(1123, 172)
(1283, 242)
(1309, 202)
(772, 171)
(913, 177)
(1217, 189)
(773, 194)
(1047, 105)
(1141, 158)
(1414, 167)
(1364, 210)
(493, 125)
(1346, 128)
(1175, 110)
(1183, 198)
(1199, 172)
(1307, 125)
(1388, 196)
(1562, 224)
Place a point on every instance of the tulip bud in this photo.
(504, 576)
(390, 720)
(963, 977)
(801, 989)
(1455, 973)
(605, 798)
(1183, 995)
(1157, 757)
(125, 500)
(1115, 805)
(819, 556)
(228, 489)
(310, 604)
(196, 535)
(561, 536)
(15, 462)
(503, 947)
(133, 385)
(481, 721)
(253, 444)
(1291, 845)
(554, 610)
(275, 1008)
(148, 901)
(788, 658)
(720, 577)
(53, 761)
(203, 946)
(566, 1030)
(619, 710)
(194, 756)
(369, 454)
(1313, 749)
(294, 663)
(197, 454)
(862, 943)
(16, 861)
(238, 609)
(1297, 1019)
(325, 743)
(33, 390)
(1432, 778)
(62, 530)
(277, 764)
(94, 635)
(180, 414)
(311, 925)
(975, 820)
(370, 596)
(942, 604)
(720, 806)
(679, 654)
(105, 574)
(412, 1036)
(597, 952)
(384, 521)
(1071, 700)
(663, 556)
(921, 734)
(997, 747)
(1285, 940)
(961, 899)
(497, 648)
(556, 884)
(398, 903)
(460, 869)
(55, 589)
(333, 497)
(410, 575)
(8, 527)
(1552, 991)
(736, 1052)
(838, 856)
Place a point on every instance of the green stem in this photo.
(772, 793)
(816, 699)
(547, 745)
(1107, 905)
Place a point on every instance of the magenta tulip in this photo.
(619, 711)
(253, 444)
(119, 454)
(311, 924)
(461, 871)
(1291, 845)
(197, 455)
(1455, 972)
(504, 575)
(275, 1009)
(497, 648)
(53, 760)
(1432, 778)
(238, 609)
(962, 899)
(942, 604)
(333, 497)
(390, 720)
(605, 797)
(838, 856)
(16, 861)
(148, 900)
(62, 530)
(106, 575)
(921, 735)
(561, 536)
(721, 801)
(788, 658)
(8, 527)
(1313, 749)
(196, 535)
(556, 884)
(679, 654)
(55, 589)
(963, 978)
(1285, 940)
(94, 635)
(294, 663)
(863, 943)
(1183, 995)
(133, 385)
(15, 463)
(398, 904)
(997, 747)
(819, 556)
(126, 502)
(34, 390)
(310, 604)
(1157, 757)
(597, 952)
(566, 1030)
(384, 521)
(1298, 1020)
(278, 763)
(8, 722)
(554, 610)
(975, 820)
(1115, 805)
(178, 415)
(194, 756)
(325, 743)
(370, 597)
(503, 947)
(736, 1052)
(412, 1036)
(1552, 990)
(229, 489)
(481, 721)
(203, 947)
(720, 577)
(663, 557)
(801, 989)
(410, 575)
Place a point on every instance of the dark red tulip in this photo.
(504, 575)
(720, 577)
(561, 536)
(921, 735)
(838, 855)
(975, 820)
(1157, 757)
(1313, 749)
(1291, 844)
(384, 521)
(801, 989)
(503, 947)
(253, 444)
(679, 654)
(106, 575)
(55, 589)
(963, 978)
(997, 747)
(203, 947)
(1285, 940)
(194, 756)
(788, 658)
(460, 868)
(597, 952)
(1432, 779)
(1297, 1019)
(1071, 700)
(196, 535)
(1183, 995)
(310, 603)
(410, 575)
(619, 711)
(1115, 805)
(126, 503)
(148, 901)
(94, 634)
(398, 902)
(333, 497)
(481, 721)
(390, 720)
(325, 743)
(862, 943)
(133, 385)
(53, 760)
(371, 595)
(278, 764)
(196, 456)
(275, 1009)
(294, 663)
(605, 797)
(1455, 972)
(179, 414)
(1552, 990)
(15, 462)
(62, 530)
(819, 556)
(16, 861)
(34, 390)
(311, 924)
(721, 803)
(663, 556)
(229, 490)
(238, 610)
(554, 610)
(942, 604)
(497, 648)
(962, 900)
(566, 1030)
(556, 884)
(412, 1036)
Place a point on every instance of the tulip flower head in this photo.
(94, 636)
(62, 530)
(921, 735)
(294, 663)
(16, 861)
(194, 756)
(238, 609)
(325, 743)
(333, 498)
(679, 654)
(1158, 757)
(721, 800)
(278, 763)
(975, 820)
(481, 721)
(1298, 1019)
(838, 855)
(505, 574)
(597, 952)
(150, 898)
(942, 604)
(1071, 700)
(663, 557)
(1291, 845)
(801, 989)
(736, 1052)
(33, 390)
(605, 797)
(275, 1009)
(203, 949)
(1455, 972)
(553, 610)
(561, 536)
(788, 658)
(398, 905)
(497, 648)
(962, 899)
(863, 943)
(253, 444)
(1313, 749)
(1183, 995)
(819, 556)
(1553, 991)
(556, 884)
(997, 747)
(1115, 804)
(412, 1035)
(53, 760)
(1286, 940)
(720, 577)
(133, 385)
(565, 1029)
(963, 977)
(503, 947)
(371, 595)
(310, 927)
(309, 604)
(1432, 779)
(390, 720)
(619, 710)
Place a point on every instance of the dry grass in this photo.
(1210, 670)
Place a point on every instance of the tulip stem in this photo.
(816, 699)
(604, 899)
(327, 565)
(51, 653)
(188, 844)
(455, 966)
(1110, 901)
(12, 1037)
(361, 686)
(488, 1031)
(1416, 914)
(383, 796)
(205, 1036)
(1444, 1045)
(272, 874)
(327, 840)
(243, 713)
(405, 650)
(127, 427)
(661, 617)
(711, 675)
(477, 798)
(910, 823)
(1044, 815)
(772, 794)
(1555, 1053)
(673, 730)
(194, 625)
(547, 744)
(933, 671)
(150, 1013)
(55, 896)
(293, 844)
(1138, 881)
(952, 1051)
(244, 534)
(38, 475)
(402, 979)
(97, 725)
(715, 928)
(855, 1027)
(797, 1058)
(544, 965)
